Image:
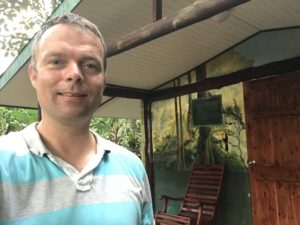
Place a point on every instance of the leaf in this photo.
(10, 12)
(5, 27)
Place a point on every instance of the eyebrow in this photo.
(53, 54)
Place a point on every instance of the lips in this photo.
(72, 94)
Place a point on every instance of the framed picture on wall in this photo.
(207, 111)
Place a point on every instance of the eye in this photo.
(55, 62)
(91, 67)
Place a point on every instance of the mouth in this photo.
(72, 94)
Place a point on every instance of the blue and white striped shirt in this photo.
(37, 188)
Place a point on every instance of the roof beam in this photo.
(157, 10)
(125, 92)
(196, 12)
(274, 68)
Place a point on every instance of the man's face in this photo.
(69, 74)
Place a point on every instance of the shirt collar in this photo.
(37, 147)
(34, 141)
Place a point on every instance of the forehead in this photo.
(71, 34)
(69, 41)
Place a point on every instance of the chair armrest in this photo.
(162, 197)
(165, 199)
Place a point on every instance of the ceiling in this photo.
(154, 63)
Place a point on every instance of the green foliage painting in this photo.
(177, 143)
(224, 143)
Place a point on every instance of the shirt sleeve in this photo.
(147, 211)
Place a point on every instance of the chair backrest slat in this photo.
(203, 188)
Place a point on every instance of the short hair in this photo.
(72, 20)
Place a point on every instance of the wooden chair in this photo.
(199, 205)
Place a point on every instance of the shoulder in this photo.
(114, 149)
(13, 141)
(13, 148)
(118, 158)
(119, 152)
(118, 149)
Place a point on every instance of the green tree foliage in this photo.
(19, 20)
(124, 132)
(14, 119)
(121, 131)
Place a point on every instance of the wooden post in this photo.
(196, 12)
(157, 10)
(149, 146)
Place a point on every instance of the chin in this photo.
(76, 115)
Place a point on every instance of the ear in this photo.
(32, 75)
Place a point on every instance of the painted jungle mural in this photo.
(177, 142)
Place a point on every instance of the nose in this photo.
(74, 73)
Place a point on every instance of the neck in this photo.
(74, 144)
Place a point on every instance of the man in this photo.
(57, 171)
